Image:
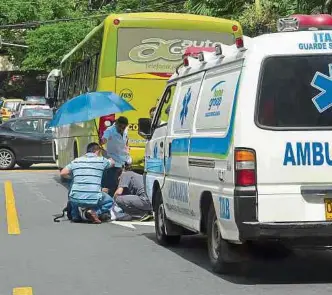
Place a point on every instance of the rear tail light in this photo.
(239, 42)
(245, 167)
(102, 126)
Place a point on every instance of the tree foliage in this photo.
(48, 43)
(21, 11)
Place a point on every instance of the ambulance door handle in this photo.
(221, 174)
(169, 149)
(161, 144)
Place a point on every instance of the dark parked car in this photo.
(25, 141)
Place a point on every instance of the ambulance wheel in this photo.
(161, 222)
(218, 248)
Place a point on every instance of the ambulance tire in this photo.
(160, 222)
(218, 248)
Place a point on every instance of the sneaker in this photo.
(92, 216)
(147, 217)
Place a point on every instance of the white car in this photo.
(32, 110)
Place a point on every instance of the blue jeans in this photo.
(103, 206)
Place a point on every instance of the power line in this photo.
(35, 24)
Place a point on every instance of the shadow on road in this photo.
(32, 168)
(302, 267)
(64, 183)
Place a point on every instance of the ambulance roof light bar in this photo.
(303, 22)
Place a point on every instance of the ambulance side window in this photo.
(164, 107)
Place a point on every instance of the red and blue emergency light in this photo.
(304, 22)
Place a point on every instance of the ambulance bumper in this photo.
(310, 232)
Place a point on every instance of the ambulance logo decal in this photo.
(155, 151)
(185, 109)
(217, 94)
(323, 100)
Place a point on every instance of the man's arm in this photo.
(106, 136)
(118, 192)
(66, 172)
(124, 182)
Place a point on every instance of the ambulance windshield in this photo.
(289, 92)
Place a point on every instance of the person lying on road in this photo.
(131, 197)
(88, 200)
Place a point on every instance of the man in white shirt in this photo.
(116, 138)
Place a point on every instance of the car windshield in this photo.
(37, 112)
(38, 99)
(11, 105)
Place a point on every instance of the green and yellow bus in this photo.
(132, 55)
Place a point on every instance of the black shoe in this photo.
(105, 217)
(92, 217)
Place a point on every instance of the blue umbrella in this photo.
(89, 106)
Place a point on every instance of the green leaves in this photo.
(257, 16)
(48, 43)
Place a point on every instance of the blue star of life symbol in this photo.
(323, 100)
(185, 103)
(155, 151)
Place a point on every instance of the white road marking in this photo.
(130, 224)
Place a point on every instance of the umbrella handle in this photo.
(99, 139)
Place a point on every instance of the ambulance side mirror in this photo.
(144, 127)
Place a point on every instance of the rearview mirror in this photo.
(144, 127)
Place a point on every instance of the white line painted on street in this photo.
(130, 224)
(124, 223)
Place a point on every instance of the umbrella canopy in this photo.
(89, 106)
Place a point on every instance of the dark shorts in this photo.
(111, 179)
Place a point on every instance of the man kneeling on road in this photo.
(130, 196)
(88, 200)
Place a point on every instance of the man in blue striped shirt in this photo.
(87, 198)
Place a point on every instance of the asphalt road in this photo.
(45, 258)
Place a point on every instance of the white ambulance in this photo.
(245, 155)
